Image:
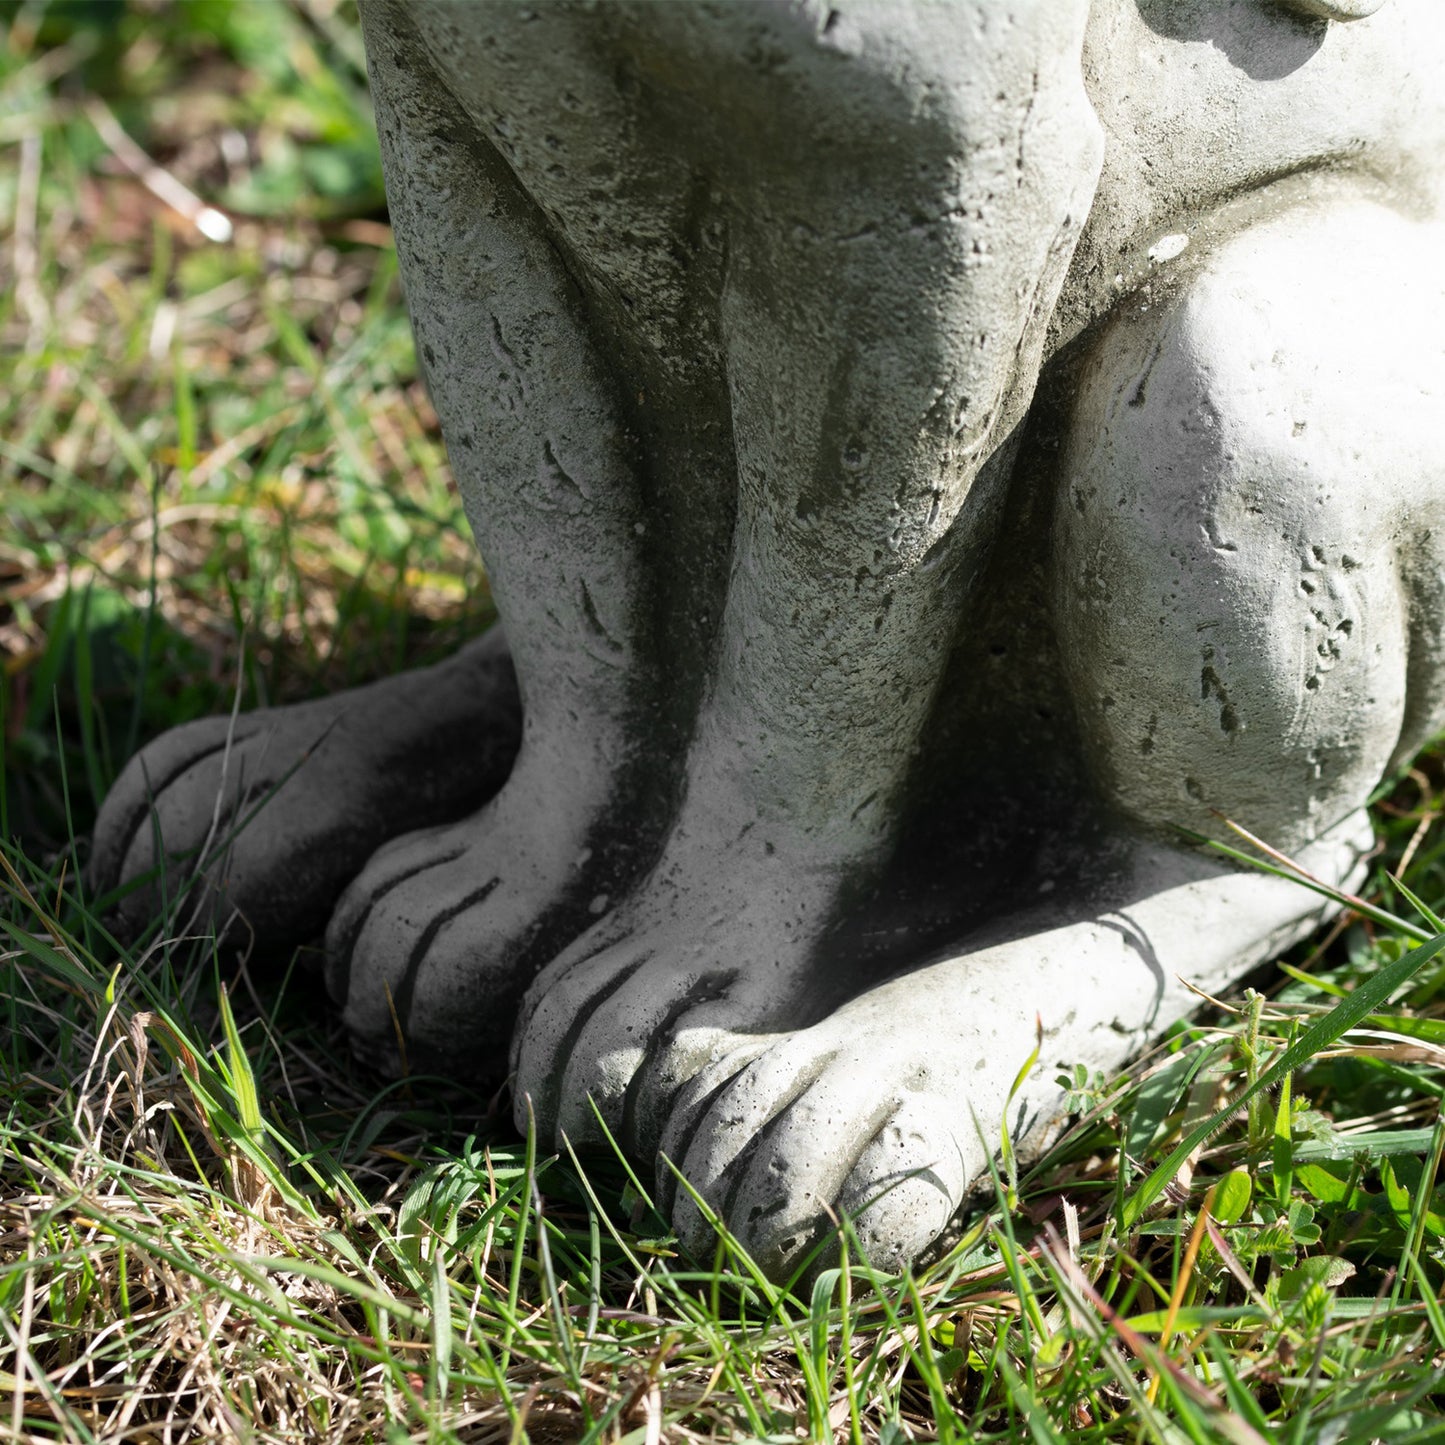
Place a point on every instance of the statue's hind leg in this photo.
(263, 820)
(896, 246)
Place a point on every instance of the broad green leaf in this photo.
(1232, 1196)
(1330, 1188)
(1327, 1270)
(1159, 1096)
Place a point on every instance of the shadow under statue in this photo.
(925, 456)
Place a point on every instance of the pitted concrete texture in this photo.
(925, 456)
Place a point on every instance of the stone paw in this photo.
(261, 823)
(685, 968)
(783, 1139)
(432, 945)
(888, 1106)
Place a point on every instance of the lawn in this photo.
(220, 476)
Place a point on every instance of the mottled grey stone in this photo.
(926, 456)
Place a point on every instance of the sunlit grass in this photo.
(209, 1219)
(218, 466)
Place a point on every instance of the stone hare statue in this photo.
(934, 462)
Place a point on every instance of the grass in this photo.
(218, 471)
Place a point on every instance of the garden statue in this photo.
(934, 462)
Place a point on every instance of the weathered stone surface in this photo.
(925, 455)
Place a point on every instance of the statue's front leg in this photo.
(440, 933)
(897, 236)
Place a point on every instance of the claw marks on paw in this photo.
(121, 838)
(638, 1132)
(406, 989)
(736, 1172)
(582, 1016)
(775, 1191)
(684, 1116)
(338, 978)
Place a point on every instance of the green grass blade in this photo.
(242, 1079)
(1359, 905)
(1420, 907)
(1365, 1000)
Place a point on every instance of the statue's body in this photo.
(923, 454)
